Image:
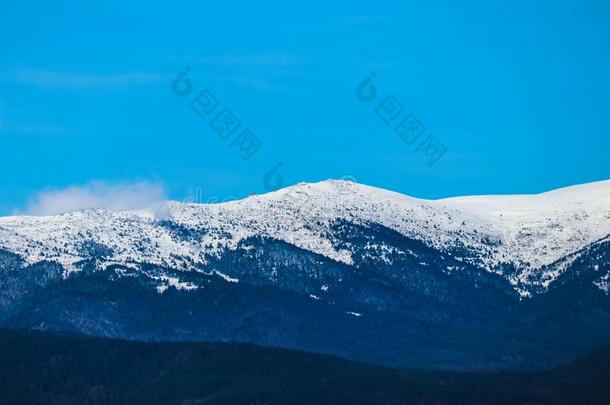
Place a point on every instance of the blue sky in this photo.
(518, 93)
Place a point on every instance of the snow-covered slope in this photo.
(539, 229)
(526, 231)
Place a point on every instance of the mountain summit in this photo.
(527, 233)
(336, 267)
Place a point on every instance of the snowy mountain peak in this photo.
(528, 232)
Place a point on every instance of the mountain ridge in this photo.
(331, 267)
(526, 232)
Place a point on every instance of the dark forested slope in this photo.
(43, 368)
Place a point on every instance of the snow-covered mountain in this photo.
(332, 267)
(517, 236)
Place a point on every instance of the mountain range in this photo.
(475, 283)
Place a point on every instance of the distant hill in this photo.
(43, 368)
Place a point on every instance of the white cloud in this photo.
(35, 129)
(99, 194)
(76, 80)
(257, 59)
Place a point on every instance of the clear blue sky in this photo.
(517, 91)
